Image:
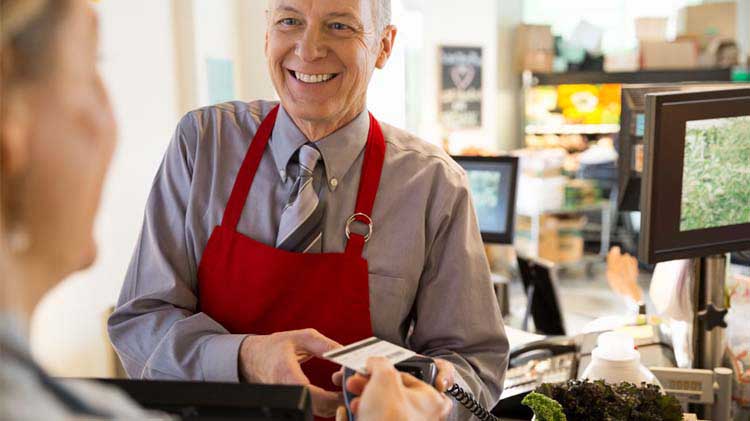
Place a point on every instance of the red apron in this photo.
(249, 287)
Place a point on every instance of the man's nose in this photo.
(311, 46)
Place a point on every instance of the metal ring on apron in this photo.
(354, 218)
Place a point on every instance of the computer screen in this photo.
(543, 303)
(632, 130)
(493, 191)
(696, 181)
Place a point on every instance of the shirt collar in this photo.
(339, 149)
(286, 138)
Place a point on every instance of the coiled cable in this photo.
(469, 402)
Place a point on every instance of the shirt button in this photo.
(334, 183)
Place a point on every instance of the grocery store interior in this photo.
(606, 143)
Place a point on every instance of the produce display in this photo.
(583, 400)
(574, 104)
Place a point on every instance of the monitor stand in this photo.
(708, 321)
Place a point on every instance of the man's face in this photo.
(321, 56)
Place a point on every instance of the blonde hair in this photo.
(27, 33)
(27, 29)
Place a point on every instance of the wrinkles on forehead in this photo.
(373, 9)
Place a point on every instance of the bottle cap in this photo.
(616, 346)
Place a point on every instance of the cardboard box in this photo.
(708, 21)
(657, 55)
(535, 48)
(535, 38)
(537, 61)
(651, 29)
(560, 238)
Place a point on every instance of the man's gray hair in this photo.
(383, 13)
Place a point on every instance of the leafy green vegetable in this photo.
(545, 408)
(597, 400)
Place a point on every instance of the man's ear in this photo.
(15, 137)
(386, 46)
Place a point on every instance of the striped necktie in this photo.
(301, 226)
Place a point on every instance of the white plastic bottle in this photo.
(616, 360)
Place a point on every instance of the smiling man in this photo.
(275, 232)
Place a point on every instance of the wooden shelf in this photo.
(644, 76)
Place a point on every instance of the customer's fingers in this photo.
(338, 377)
(354, 405)
(356, 384)
(341, 414)
(381, 369)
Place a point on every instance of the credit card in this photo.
(355, 355)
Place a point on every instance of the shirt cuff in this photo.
(219, 358)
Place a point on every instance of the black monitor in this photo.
(695, 197)
(630, 142)
(203, 401)
(543, 303)
(493, 191)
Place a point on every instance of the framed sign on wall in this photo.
(460, 94)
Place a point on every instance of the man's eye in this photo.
(339, 26)
(289, 22)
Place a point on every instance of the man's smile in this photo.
(312, 78)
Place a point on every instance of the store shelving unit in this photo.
(643, 76)
(572, 129)
(593, 131)
(603, 207)
(531, 80)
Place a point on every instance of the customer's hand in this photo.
(622, 274)
(445, 378)
(277, 359)
(390, 395)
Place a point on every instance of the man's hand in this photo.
(390, 395)
(446, 376)
(276, 359)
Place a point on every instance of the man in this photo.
(276, 233)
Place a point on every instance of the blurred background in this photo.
(549, 79)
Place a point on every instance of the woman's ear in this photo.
(15, 137)
(386, 46)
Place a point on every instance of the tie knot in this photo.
(308, 158)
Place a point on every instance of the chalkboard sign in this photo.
(461, 87)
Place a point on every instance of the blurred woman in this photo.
(56, 139)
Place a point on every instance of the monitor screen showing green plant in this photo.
(716, 173)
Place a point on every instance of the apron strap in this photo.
(368, 185)
(247, 171)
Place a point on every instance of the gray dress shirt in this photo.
(429, 279)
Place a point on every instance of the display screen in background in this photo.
(716, 174)
(490, 188)
(640, 124)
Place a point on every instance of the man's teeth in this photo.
(313, 78)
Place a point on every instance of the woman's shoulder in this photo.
(26, 393)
